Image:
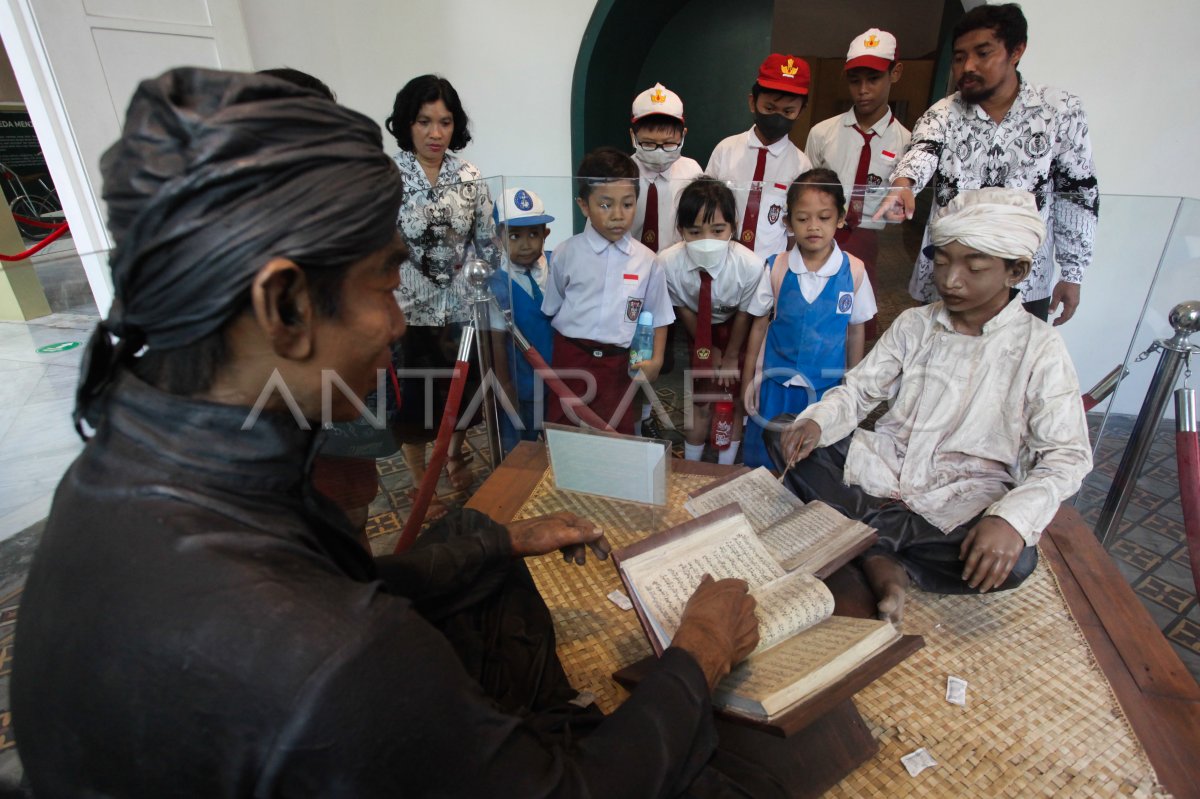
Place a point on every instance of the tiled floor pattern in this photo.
(1149, 546)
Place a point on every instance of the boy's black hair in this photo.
(705, 195)
(756, 90)
(416, 93)
(823, 180)
(658, 122)
(301, 79)
(605, 165)
(1006, 20)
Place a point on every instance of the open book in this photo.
(811, 537)
(803, 647)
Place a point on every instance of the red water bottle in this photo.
(722, 424)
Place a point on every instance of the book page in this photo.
(664, 579)
(816, 528)
(800, 666)
(789, 605)
(761, 497)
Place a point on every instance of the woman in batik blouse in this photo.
(445, 218)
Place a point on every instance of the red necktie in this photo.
(702, 349)
(750, 221)
(650, 223)
(859, 193)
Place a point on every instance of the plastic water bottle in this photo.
(642, 347)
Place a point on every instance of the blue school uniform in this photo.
(804, 338)
(526, 306)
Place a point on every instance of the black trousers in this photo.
(929, 555)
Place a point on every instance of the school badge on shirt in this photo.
(773, 214)
(633, 309)
(845, 302)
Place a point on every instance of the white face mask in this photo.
(707, 253)
(659, 160)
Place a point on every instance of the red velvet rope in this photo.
(59, 229)
(1187, 453)
(585, 414)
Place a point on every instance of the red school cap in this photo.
(784, 73)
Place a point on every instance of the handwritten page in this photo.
(761, 497)
(789, 605)
(810, 534)
(610, 465)
(665, 578)
(770, 681)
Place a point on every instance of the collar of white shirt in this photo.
(776, 149)
(851, 121)
(599, 243)
(828, 269)
(1007, 316)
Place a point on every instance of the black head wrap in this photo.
(215, 174)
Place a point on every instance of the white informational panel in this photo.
(609, 464)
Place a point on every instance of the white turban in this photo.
(1000, 222)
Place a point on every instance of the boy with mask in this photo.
(763, 162)
(657, 133)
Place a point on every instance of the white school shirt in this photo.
(988, 423)
(813, 283)
(735, 281)
(668, 184)
(734, 160)
(597, 288)
(836, 144)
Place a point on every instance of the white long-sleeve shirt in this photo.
(990, 423)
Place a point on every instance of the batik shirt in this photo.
(1041, 146)
(442, 225)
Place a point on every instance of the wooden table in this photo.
(1158, 695)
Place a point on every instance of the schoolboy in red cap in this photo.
(864, 144)
(763, 162)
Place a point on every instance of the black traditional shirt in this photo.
(1041, 146)
(198, 622)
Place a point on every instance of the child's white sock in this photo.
(729, 455)
(693, 452)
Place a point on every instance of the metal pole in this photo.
(1185, 319)
(477, 273)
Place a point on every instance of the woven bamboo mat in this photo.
(1040, 718)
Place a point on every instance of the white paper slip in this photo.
(620, 600)
(917, 761)
(956, 690)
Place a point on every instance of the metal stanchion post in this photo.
(1185, 319)
(477, 272)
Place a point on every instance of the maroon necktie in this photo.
(750, 221)
(859, 193)
(702, 351)
(650, 223)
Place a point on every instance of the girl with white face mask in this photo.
(714, 285)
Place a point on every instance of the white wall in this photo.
(1131, 64)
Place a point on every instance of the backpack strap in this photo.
(779, 270)
(858, 269)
